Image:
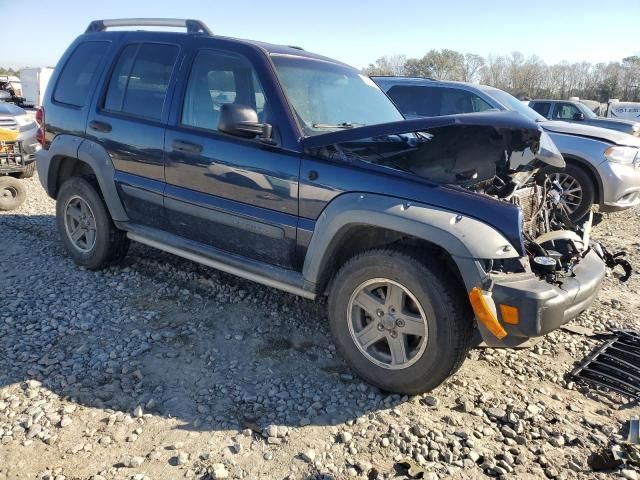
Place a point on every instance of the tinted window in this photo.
(455, 101)
(565, 111)
(78, 73)
(425, 101)
(417, 100)
(140, 79)
(217, 78)
(542, 108)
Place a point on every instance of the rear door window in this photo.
(425, 101)
(415, 100)
(542, 108)
(140, 79)
(76, 78)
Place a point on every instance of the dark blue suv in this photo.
(294, 170)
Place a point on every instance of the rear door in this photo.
(236, 194)
(129, 122)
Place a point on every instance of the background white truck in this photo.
(34, 83)
(624, 110)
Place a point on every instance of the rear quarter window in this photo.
(542, 108)
(78, 73)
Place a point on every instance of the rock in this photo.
(629, 474)
(219, 471)
(138, 412)
(430, 401)
(133, 462)
(346, 437)
(182, 458)
(65, 422)
(308, 456)
(496, 412)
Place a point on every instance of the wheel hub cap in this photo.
(80, 224)
(387, 323)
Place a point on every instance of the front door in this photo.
(236, 194)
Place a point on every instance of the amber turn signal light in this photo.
(484, 314)
(509, 314)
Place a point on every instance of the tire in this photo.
(571, 176)
(13, 193)
(449, 321)
(81, 212)
(28, 172)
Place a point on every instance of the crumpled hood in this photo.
(589, 131)
(524, 132)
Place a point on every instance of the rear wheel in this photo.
(578, 191)
(85, 226)
(400, 326)
(13, 193)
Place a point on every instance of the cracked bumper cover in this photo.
(543, 307)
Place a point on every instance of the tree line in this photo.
(520, 76)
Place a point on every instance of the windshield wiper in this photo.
(337, 125)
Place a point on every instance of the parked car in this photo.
(571, 111)
(602, 164)
(295, 171)
(18, 144)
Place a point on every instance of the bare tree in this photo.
(471, 67)
(387, 65)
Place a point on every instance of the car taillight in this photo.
(40, 136)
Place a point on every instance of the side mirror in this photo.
(242, 121)
(578, 116)
(4, 95)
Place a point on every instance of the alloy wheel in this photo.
(80, 224)
(571, 194)
(387, 323)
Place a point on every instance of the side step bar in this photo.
(269, 275)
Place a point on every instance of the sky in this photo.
(36, 33)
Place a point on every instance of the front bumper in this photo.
(620, 186)
(543, 307)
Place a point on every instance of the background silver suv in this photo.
(602, 165)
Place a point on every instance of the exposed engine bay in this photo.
(498, 155)
(553, 243)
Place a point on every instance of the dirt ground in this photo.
(161, 368)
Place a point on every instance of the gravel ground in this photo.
(162, 368)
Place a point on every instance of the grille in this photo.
(8, 122)
(11, 155)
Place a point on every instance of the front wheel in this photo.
(28, 172)
(577, 191)
(400, 326)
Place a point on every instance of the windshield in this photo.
(512, 103)
(326, 96)
(586, 111)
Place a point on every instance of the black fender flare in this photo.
(466, 239)
(94, 155)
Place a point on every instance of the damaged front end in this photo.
(557, 270)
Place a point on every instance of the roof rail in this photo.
(192, 26)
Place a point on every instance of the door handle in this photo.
(99, 126)
(186, 147)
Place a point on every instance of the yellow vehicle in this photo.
(13, 166)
